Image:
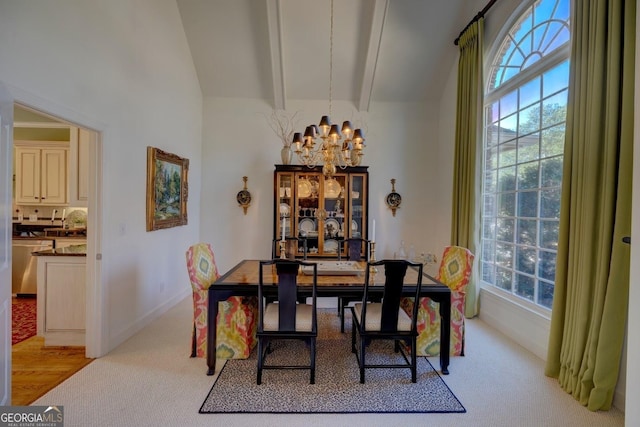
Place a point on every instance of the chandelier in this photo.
(325, 143)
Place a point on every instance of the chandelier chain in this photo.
(335, 149)
(331, 61)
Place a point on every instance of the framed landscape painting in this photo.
(167, 189)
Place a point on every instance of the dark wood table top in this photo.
(246, 273)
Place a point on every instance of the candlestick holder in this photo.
(372, 256)
(283, 244)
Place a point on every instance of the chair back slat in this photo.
(394, 272)
(355, 250)
(287, 295)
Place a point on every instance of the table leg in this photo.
(445, 333)
(212, 320)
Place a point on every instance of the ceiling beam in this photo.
(274, 22)
(375, 36)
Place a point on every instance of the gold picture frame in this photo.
(167, 189)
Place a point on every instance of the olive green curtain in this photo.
(592, 271)
(464, 215)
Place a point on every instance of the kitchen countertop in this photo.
(75, 250)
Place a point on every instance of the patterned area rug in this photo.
(337, 388)
(23, 319)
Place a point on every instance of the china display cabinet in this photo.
(318, 211)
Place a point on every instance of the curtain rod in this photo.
(475, 18)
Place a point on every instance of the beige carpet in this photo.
(151, 381)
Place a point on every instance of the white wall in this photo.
(632, 406)
(402, 143)
(124, 69)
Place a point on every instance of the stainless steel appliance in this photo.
(24, 266)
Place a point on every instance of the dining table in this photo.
(335, 279)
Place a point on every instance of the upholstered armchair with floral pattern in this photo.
(454, 271)
(237, 316)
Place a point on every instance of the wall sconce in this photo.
(393, 199)
(244, 197)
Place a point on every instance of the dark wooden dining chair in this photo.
(386, 320)
(292, 246)
(355, 247)
(287, 319)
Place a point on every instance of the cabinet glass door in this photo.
(334, 221)
(357, 208)
(284, 206)
(308, 208)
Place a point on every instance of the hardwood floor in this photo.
(37, 369)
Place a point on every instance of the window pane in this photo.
(528, 203)
(504, 255)
(509, 104)
(555, 79)
(552, 143)
(547, 265)
(527, 232)
(529, 147)
(550, 203)
(529, 119)
(554, 109)
(488, 272)
(525, 286)
(507, 204)
(488, 251)
(507, 155)
(526, 260)
(488, 228)
(530, 92)
(490, 181)
(551, 172)
(549, 234)
(507, 179)
(545, 294)
(528, 176)
(505, 231)
(503, 278)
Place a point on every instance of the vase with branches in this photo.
(283, 126)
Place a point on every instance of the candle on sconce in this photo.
(373, 235)
(64, 212)
(53, 215)
(283, 228)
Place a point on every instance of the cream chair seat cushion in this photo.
(303, 317)
(374, 317)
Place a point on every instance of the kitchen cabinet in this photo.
(61, 317)
(79, 166)
(41, 173)
(324, 211)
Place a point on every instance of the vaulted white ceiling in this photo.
(279, 50)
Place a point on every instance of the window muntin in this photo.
(525, 113)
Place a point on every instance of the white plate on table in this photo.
(331, 246)
(307, 225)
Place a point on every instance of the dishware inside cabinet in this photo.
(322, 210)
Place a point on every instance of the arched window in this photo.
(525, 110)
